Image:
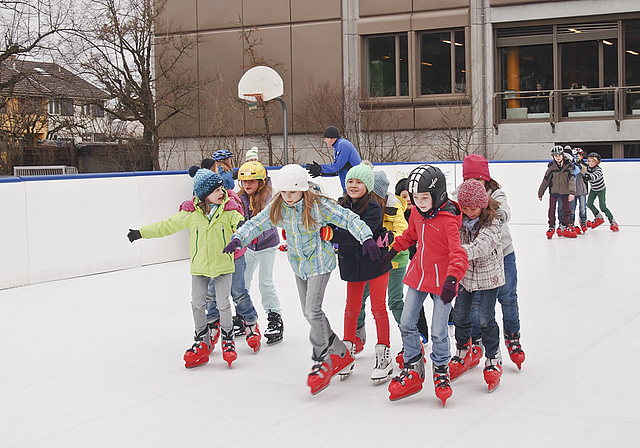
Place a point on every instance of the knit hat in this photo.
(472, 194)
(380, 183)
(291, 178)
(331, 132)
(205, 181)
(251, 154)
(207, 163)
(402, 185)
(474, 166)
(363, 173)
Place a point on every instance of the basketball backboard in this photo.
(260, 83)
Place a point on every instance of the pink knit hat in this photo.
(472, 194)
(474, 166)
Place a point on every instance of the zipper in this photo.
(437, 277)
(421, 259)
(195, 252)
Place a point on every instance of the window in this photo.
(61, 107)
(97, 110)
(387, 66)
(442, 63)
(631, 57)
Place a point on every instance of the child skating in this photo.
(560, 181)
(595, 177)
(210, 228)
(302, 213)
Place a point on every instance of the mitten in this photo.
(370, 248)
(284, 235)
(314, 169)
(133, 235)
(232, 246)
(187, 206)
(386, 260)
(326, 233)
(449, 289)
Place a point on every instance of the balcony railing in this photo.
(613, 103)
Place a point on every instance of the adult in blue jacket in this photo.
(346, 156)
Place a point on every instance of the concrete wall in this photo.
(68, 226)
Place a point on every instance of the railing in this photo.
(614, 103)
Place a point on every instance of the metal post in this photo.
(284, 130)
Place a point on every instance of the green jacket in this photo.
(206, 238)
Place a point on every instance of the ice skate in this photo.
(599, 220)
(214, 331)
(614, 226)
(253, 337)
(198, 354)
(559, 231)
(275, 328)
(238, 326)
(512, 341)
(320, 376)
(476, 353)
(493, 372)
(576, 229)
(583, 227)
(410, 380)
(344, 365)
(361, 339)
(228, 347)
(383, 370)
(551, 232)
(441, 383)
(461, 362)
(400, 357)
(568, 233)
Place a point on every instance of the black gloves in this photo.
(586, 177)
(449, 289)
(315, 169)
(133, 235)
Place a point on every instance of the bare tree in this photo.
(146, 67)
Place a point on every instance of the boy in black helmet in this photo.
(346, 156)
(560, 181)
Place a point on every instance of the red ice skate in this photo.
(409, 381)
(343, 365)
(319, 377)
(461, 362)
(253, 337)
(551, 232)
(493, 372)
(441, 383)
(476, 353)
(214, 331)
(597, 222)
(516, 354)
(228, 347)
(197, 355)
(614, 226)
(568, 233)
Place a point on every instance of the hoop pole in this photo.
(284, 130)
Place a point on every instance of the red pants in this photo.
(378, 294)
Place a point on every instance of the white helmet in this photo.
(291, 178)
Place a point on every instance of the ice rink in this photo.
(96, 361)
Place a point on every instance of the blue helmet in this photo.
(221, 155)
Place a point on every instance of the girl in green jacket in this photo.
(211, 228)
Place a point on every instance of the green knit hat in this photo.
(363, 173)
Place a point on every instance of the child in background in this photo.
(358, 270)
(476, 167)
(559, 179)
(210, 227)
(394, 221)
(224, 167)
(595, 176)
(302, 213)
(581, 189)
(439, 262)
(481, 236)
(252, 155)
(255, 195)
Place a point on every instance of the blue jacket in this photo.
(346, 155)
(308, 253)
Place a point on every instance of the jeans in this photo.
(199, 300)
(395, 295)
(264, 259)
(239, 294)
(378, 308)
(440, 352)
(564, 211)
(508, 298)
(323, 340)
(486, 319)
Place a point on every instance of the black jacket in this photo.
(354, 266)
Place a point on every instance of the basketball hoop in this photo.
(252, 100)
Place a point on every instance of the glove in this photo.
(187, 206)
(586, 177)
(315, 169)
(326, 233)
(386, 260)
(449, 289)
(133, 235)
(232, 246)
(371, 249)
(284, 235)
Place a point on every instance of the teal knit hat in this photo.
(363, 173)
(380, 184)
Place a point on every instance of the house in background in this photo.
(50, 102)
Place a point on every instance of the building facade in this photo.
(520, 75)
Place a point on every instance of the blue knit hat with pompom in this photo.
(204, 181)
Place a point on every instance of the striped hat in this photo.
(380, 183)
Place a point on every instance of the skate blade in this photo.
(404, 396)
(344, 376)
(274, 341)
(461, 375)
(193, 366)
(493, 386)
(379, 381)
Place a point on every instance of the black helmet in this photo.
(427, 178)
(595, 155)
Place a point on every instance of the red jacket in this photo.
(439, 253)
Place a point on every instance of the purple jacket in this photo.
(269, 238)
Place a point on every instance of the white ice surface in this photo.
(96, 362)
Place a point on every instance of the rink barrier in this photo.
(66, 226)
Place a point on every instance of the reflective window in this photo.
(387, 71)
(437, 51)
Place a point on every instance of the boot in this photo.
(319, 377)
(461, 362)
(493, 371)
(361, 338)
(383, 369)
(568, 233)
(512, 341)
(253, 336)
(214, 331)
(275, 328)
(228, 347)
(409, 381)
(342, 364)
(441, 383)
(476, 353)
(198, 354)
(583, 226)
(551, 232)
(614, 226)
(238, 326)
(599, 220)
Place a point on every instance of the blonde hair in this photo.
(225, 164)
(309, 197)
